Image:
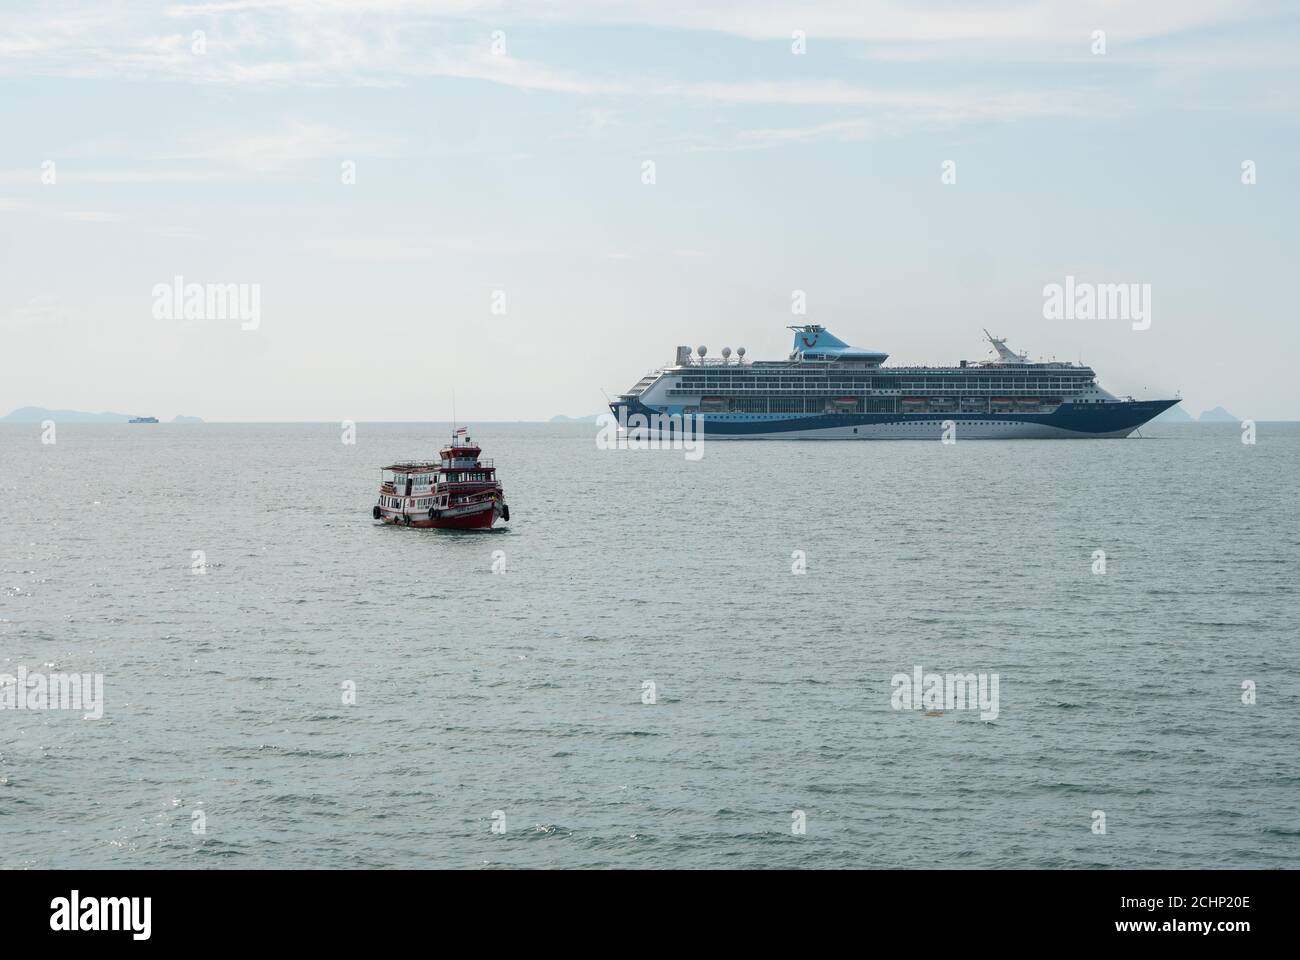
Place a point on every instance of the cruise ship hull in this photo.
(1068, 421)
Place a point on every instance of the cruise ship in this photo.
(829, 390)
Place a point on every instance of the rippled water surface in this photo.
(520, 692)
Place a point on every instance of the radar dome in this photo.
(726, 352)
(701, 350)
(740, 352)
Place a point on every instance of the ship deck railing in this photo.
(434, 466)
(865, 391)
(713, 365)
(413, 466)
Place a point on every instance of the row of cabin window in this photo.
(443, 478)
(395, 503)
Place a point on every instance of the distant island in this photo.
(1217, 415)
(1179, 415)
(39, 414)
(1175, 414)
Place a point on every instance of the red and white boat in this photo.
(458, 492)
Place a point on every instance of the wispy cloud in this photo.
(410, 249)
(388, 42)
(758, 139)
(208, 153)
(261, 44)
(272, 150)
(43, 312)
(1033, 22)
(899, 115)
(88, 216)
(71, 173)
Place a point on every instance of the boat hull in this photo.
(1070, 421)
(479, 518)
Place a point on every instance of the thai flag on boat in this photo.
(459, 431)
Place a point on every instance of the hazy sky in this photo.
(501, 146)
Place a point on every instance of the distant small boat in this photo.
(143, 420)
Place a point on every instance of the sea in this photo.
(662, 661)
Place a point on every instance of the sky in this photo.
(532, 204)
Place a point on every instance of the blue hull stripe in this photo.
(1081, 418)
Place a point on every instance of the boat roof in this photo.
(412, 466)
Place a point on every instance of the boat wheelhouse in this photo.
(829, 389)
(458, 491)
